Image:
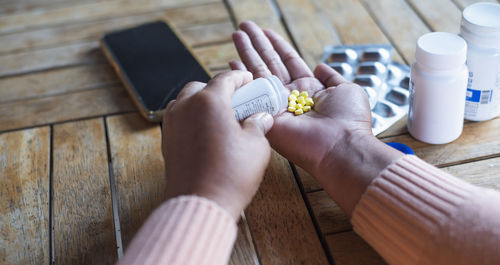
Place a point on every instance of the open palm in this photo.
(341, 107)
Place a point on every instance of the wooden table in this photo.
(80, 170)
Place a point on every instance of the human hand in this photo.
(207, 152)
(341, 110)
(334, 142)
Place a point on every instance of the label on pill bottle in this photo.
(482, 101)
(256, 105)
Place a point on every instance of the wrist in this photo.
(349, 168)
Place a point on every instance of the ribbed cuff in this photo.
(184, 230)
(405, 206)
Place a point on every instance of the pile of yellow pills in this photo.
(299, 102)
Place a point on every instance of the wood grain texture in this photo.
(86, 12)
(310, 40)
(217, 56)
(63, 56)
(259, 11)
(77, 105)
(24, 196)
(16, 6)
(56, 81)
(331, 218)
(484, 173)
(83, 218)
(440, 15)
(400, 23)
(89, 52)
(201, 19)
(138, 170)
(281, 226)
(349, 249)
(354, 29)
(244, 251)
(479, 140)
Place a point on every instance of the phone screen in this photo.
(153, 62)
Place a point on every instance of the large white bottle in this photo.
(481, 29)
(437, 88)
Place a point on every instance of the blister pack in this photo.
(385, 82)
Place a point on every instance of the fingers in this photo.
(190, 89)
(329, 77)
(266, 51)
(296, 67)
(249, 55)
(258, 124)
(224, 84)
(237, 65)
(170, 105)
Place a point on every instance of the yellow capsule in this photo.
(291, 109)
(292, 103)
(299, 111)
(301, 102)
(299, 106)
(292, 97)
(309, 102)
(304, 94)
(295, 92)
(306, 108)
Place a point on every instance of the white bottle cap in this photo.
(441, 51)
(481, 24)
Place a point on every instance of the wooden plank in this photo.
(350, 249)
(201, 20)
(90, 103)
(331, 218)
(217, 56)
(260, 11)
(213, 56)
(63, 56)
(83, 218)
(56, 81)
(86, 12)
(479, 140)
(400, 23)
(281, 226)
(310, 40)
(464, 3)
(138, 170)
(208, 34)
(244, 250)
(24, 196)
(16, 6)
(440, 15)
(354, 29)
(484, 173)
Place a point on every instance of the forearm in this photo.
(345, 178)
(184, 230)
(414, 213)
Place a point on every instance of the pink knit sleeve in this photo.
(184, 230)
(414, 213)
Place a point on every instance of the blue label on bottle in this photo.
(473, 95)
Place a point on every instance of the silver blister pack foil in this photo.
(385, 82)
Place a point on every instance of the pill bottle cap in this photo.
(441, 51)
(481, 24)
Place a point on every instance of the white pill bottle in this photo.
(481, 29)
(261, 95)
(438, 83)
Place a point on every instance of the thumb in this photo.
(258, 124)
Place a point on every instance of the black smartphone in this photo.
(154, 64)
